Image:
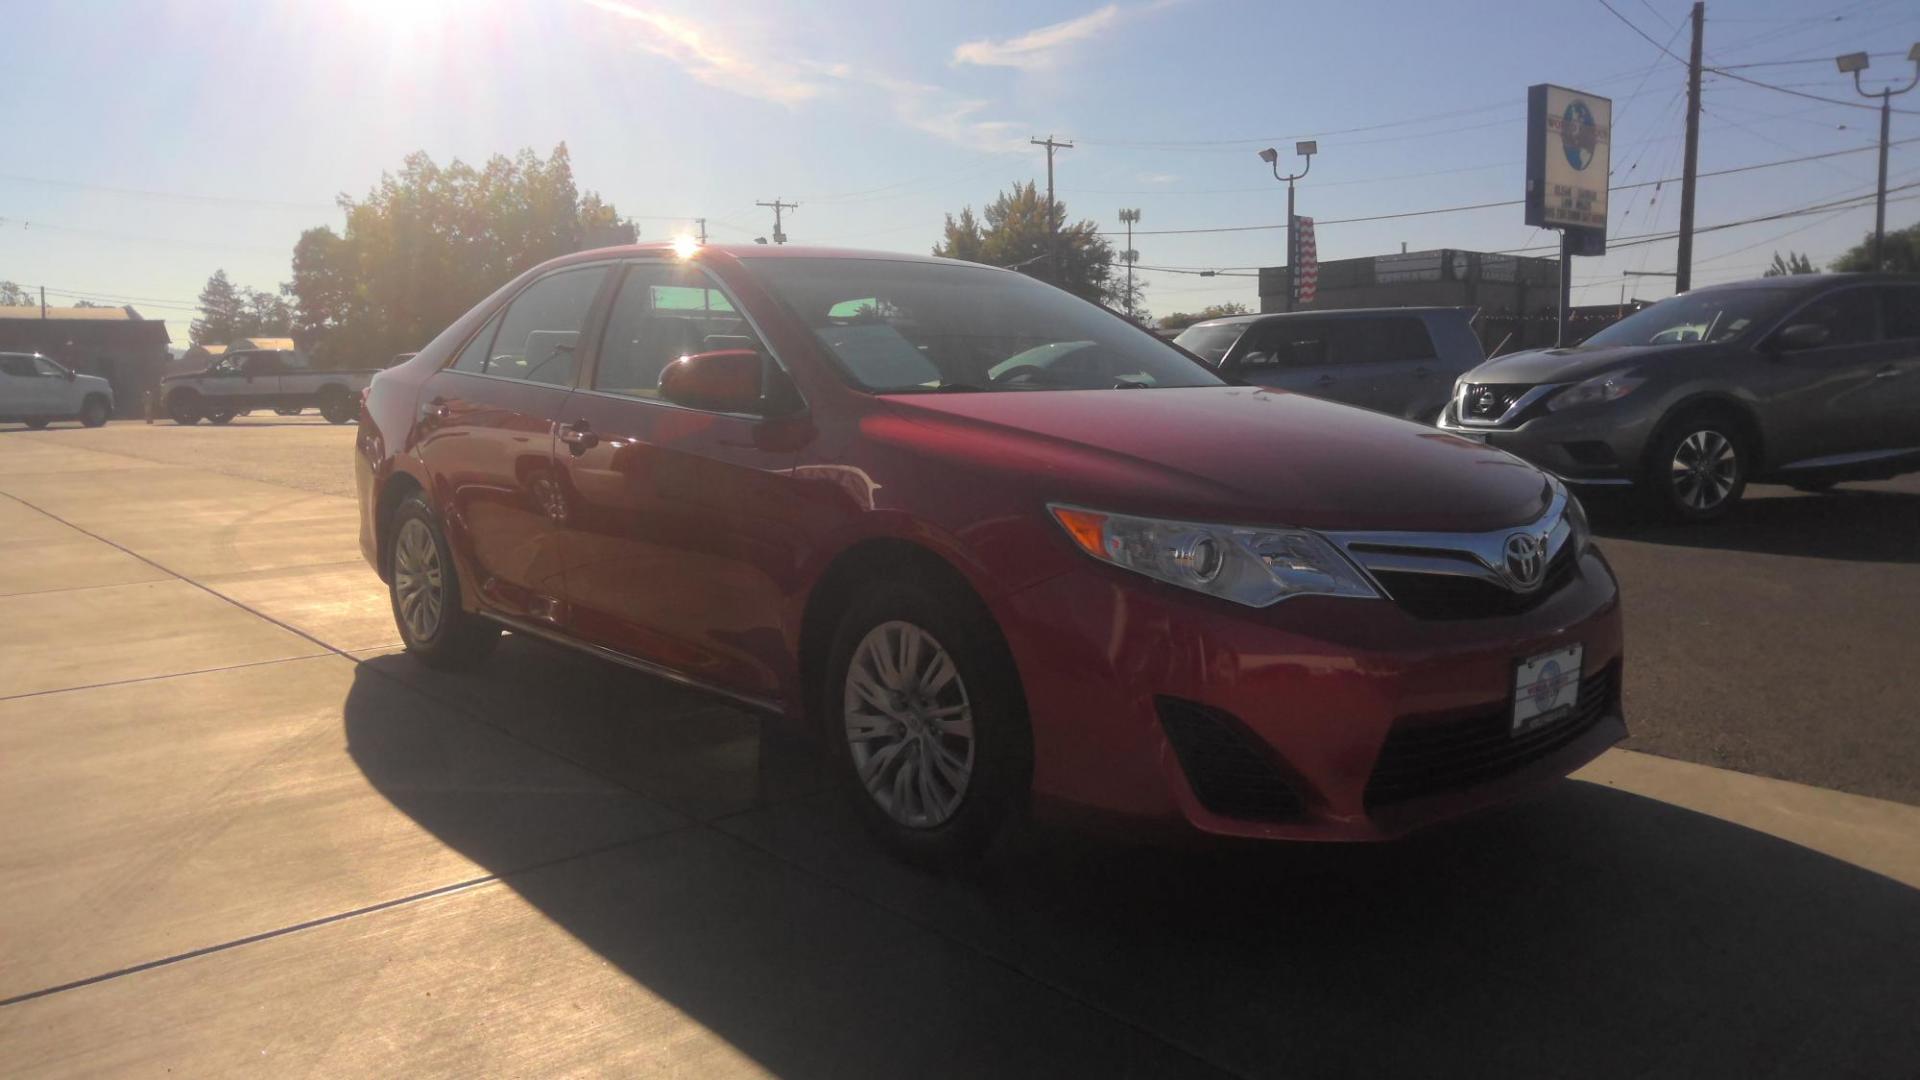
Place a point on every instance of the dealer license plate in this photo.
(1545, 689)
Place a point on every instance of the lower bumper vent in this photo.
(1231, 772)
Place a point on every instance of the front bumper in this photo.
(1600, 445)
(1319, 685)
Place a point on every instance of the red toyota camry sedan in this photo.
(996, 545)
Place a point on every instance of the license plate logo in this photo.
(1546, 688)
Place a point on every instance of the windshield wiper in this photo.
(1129, 384)
(959, 388)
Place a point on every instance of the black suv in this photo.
(1805, 380)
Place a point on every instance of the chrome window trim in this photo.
(1520, 404)
(1480, 556)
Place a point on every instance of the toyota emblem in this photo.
(1526, 561)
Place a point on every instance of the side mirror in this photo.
(68, 373)
(725, 380)
(1801, 336)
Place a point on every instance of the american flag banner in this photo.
(1309, 273)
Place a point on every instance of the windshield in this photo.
(1720, 315)
(904, 327)
(1210, 343)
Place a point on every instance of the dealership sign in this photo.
(1569, 136)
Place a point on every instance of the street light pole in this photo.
(1857, 63)
(1272, 157)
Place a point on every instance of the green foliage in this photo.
(429, 242)
(1794, 263)
(1180, 320)
(219, 312)
(12, 295)
(1014, 235)
(1902, 255)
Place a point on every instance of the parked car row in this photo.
(999, 549)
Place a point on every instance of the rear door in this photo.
(1825, 400)
(486, 436)
(678, 522)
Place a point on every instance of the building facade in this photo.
(116, 344)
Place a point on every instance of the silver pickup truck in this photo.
(281, 380)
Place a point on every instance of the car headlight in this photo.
(1255, 567)
(1595, 391)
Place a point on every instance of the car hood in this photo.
(1234, 454)
(1581, 362)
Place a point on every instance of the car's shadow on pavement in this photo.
(1858, 524)
(1588, 932)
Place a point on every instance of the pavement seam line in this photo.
(169, 675)
(209, 590)
(342, 916)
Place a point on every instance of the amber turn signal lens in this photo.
(1087, 528)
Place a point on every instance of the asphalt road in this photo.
(244, 837)
(1783, 642)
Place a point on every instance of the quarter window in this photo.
(664, 312)
(1902, 312)
(473, 358)
(539, 336)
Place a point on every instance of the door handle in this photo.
(435, 410)
(578, 436)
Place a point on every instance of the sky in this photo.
(150, 143)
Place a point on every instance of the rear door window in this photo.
(1850, 316)
(539, 336)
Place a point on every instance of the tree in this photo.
(1180, 320)
(1902, 254)
(12, 295)
(264, 314)
(1014, 235)
(219, 312)
(89, 303)
(1794, 263)
(429, 242)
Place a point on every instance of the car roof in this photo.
(772, 251)
(1812, 282)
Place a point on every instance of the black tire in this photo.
(184, 408)
(994, 794)
(454, 639)
(36, 424)
(220, 416)
(337, 407)
(1814, 487)
(93, 412)
(1698, 467)
(288, 412)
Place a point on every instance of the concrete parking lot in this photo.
(246, 836)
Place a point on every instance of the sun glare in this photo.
(684, 246)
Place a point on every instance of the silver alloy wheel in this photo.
(418, 584)
(1704, 470)
(909, 724)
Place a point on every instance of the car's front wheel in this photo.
(425, 591)
(1699, 468)
(925, 720)
(37, 423)
(184, 408)
(337, 407)
(220, 416)
(94, 412)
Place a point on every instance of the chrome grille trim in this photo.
(1520, 404)
(1481, 556)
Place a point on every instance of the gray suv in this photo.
(1804, 380)
(1401, 361)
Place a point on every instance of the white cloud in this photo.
(743, 68)
(692, 47)
(1158, 178)
(1041, 48)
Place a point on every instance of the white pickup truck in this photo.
(262, 379)
(35, 391)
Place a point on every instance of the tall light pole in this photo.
(1272, 157)
(1129, 218)
(1857, 63)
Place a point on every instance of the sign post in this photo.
(1569, 157)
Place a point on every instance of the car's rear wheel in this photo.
(1698, 470)
(37, 424)
(288, 412)
(93, 412)
(337, 407)
(425, 590)
(220, 416)
(184, 408)
(925, 721)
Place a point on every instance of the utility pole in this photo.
(778, 236)
(1857, 63)
(702, 222)
(1683, 277)
(1053, 221)
(1566, 287)
(43, 303)
(1129, 218)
